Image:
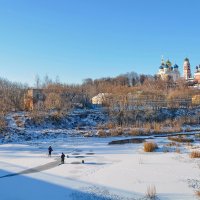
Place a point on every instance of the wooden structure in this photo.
(34, 99)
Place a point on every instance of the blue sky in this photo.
(77, 39)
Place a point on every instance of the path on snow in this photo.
(36, 169)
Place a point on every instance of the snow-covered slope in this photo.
(110, 172)
(78, 122)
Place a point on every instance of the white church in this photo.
(167, 71)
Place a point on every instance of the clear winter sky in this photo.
(77, 39)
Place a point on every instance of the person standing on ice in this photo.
(62, 158)
(50, 150)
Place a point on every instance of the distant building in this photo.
(191, 80)
(34, 99)
(186, 69)
(100, 98)
(197, 75)
(167, 71)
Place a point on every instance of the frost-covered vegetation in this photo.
(109, 172)
(150, 146)
(95, 170)
(136, 105)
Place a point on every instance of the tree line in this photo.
(130, 94)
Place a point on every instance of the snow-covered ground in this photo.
(78, 122)
(109, 171)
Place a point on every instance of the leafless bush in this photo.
(180, 139)
(157, 128)
(170, 144)
(101, 126)
(178, 150)
(19, 123)
(16, 117)
(139, 131)
(167, 126)
(56, 116)
(151, 192)
(116, 132)
(150, 146)
(195, 154)
(11, 96)
(37, 117)
(3, 123)
(102, 133)
(110, 125)
(198, 193)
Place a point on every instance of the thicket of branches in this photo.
(132, 98)
(64, 97)
(137, 99)
(11, 98)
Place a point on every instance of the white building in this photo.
(167, 71)
(186, 69)
(100, 98)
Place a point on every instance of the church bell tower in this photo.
(186, 69)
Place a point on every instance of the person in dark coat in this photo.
(50, 150)
(62, 158)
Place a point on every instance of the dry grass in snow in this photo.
(151, 192)
(195, 154)
(150, 146)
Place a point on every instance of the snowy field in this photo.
(109, 171)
